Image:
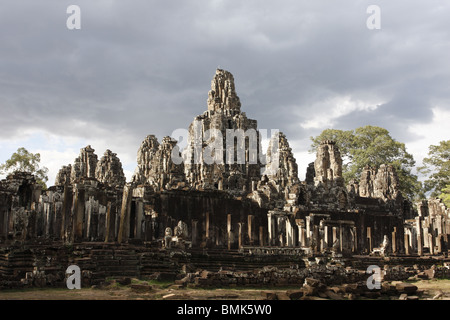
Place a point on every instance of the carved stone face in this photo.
(168, 231)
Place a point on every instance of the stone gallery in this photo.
(222, 202)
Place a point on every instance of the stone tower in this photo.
(224, 145)
(109, 170)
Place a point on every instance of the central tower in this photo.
(224, 134)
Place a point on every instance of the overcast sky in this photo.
(145, 67)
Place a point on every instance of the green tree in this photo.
(445, 195)
(25, 161)
(437, 167)
(371, 145)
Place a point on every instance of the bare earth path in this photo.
(432, 288)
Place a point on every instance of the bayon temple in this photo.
(221, 194)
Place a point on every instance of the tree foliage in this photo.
(24, 161)
(445, 195)
(437, 167)
(373, 146)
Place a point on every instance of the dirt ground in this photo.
(439, 289)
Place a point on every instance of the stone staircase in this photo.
(102, 261)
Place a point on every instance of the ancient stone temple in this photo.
(222, 192)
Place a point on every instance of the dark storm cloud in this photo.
(144, 67)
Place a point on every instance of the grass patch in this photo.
(159, 283)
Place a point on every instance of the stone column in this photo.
(289, 233)
(108, 230)
(302, 236)
(341, 238)
(66, 230)
(308, 230)
(426, 238)
(369, 239)
(407, 247)
(139, 219)
(419, 233)
(194, 233)
(250, 222)
(207, 226)
(316, 238)
(229, 230)
(241, 235)
(326, 237)
(270, 227)
(124, 227)
(78, 212)
(394, 240)
(261, 236)
(335, 234)
(92, 219)
(440, 240)
(101, 222)
(58, 219)
(431, 243)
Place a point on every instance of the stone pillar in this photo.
(289, 233)
(355, 239)
(407, 247)
(109, 221)
(394, 240)
(440, 240)
(302, 236)
(101, 222)
(261, 236)
(308, 230)
(207, 226)
(78, 212)
(431, 243)
(241, 235)
(124, 227)
(250, 222)
(194, 233)
(326, 237)
(58, 219)
(229, 230)
(139, 219)
(341, 238)
(92, 219)
(316, 238)
(335, 234)
(270, 227)
(48, 217)
(419, 233)
(369, 239)
(66, 223)
(426, 238)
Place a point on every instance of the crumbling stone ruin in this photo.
(221, 194)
